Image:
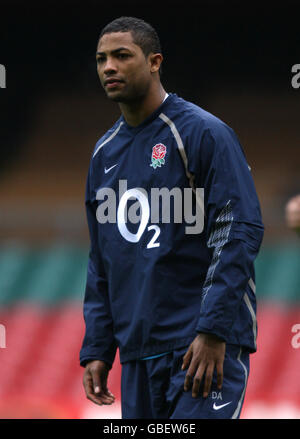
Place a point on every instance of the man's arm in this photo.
(99, 346)
(234, 233)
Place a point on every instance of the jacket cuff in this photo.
(90, 354)
(210, 328)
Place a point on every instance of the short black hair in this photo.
(143, 34)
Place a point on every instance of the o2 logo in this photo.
(148, 212)
(144, 218)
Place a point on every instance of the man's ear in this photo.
(155, 60)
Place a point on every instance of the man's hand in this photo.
(205, 353)
(95, 382)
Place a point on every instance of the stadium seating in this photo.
(41, 309)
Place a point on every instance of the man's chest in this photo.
(146, 162)
(141, 185)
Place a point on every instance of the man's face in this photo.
(124, 72)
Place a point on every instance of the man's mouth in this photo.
(112, 83)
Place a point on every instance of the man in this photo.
(178, 302)
(292, 213)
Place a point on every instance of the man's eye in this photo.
(123, 55)
(100, 59)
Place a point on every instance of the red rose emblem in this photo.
(158, 153)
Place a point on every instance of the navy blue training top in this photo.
(153, 281)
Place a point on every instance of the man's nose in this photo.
(110, 66)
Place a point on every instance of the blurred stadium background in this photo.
(233, 61)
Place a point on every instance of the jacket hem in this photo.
(155, 349)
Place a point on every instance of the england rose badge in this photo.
(158, 155)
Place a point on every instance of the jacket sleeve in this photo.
(232, 226)
(98, 342)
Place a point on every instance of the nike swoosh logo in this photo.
(218, 407)
(107, 170)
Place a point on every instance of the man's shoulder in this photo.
(189, 114)
(107, 135)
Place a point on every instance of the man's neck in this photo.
(136, 112)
